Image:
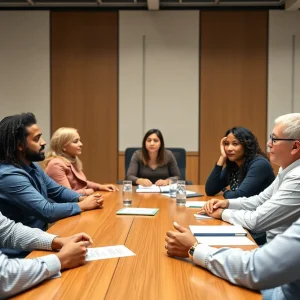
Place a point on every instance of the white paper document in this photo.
(224, 240)
(152, 189)
(200, 217)
(108, 252)
(137, 211)
(195, 204)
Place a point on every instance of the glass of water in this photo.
(180, 193)
(127, 193)
(173, 186)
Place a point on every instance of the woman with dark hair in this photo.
(153, 164)
(242, 166)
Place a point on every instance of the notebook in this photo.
(233, 230)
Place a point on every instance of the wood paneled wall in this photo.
(84, 86)
(192, 164)
(233, 81)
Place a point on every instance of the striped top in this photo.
(17, 275)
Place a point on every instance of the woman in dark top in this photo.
(242, 166)
(153, 164)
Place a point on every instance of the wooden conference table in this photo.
(151, 274)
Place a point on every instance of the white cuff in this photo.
(52, 262)
(227, 215)
(235, 203)
(201, 252)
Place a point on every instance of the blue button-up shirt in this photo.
(30, 196)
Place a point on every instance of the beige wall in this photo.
(25, 65)
(159, 77)
(284, 64)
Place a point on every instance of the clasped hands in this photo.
(214, 208)
(72, 250)
(147, 182)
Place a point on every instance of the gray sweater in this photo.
(138, 170)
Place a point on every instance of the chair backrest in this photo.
(179, 153)
(128, 154)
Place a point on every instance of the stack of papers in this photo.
(137, 211)
(221, 235)
(152, 189)
(163, 189)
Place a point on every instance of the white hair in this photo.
(290, 124)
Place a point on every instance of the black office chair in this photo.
(179, 154)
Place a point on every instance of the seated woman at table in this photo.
(242, 166)
(153, 164)
(64, 166)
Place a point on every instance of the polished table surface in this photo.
(151, 274)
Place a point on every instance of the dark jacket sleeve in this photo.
(258, 174)
(216, 181)
(133, 169)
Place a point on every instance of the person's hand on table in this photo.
(58, 242)
(214, 204)
(180, 241)
(144, 182)
(107, 187)
(91, 202)
(162, 182)
(73, 252)
(216, 214)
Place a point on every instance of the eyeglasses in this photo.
(274, 139)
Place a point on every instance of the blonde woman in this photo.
(64, 166)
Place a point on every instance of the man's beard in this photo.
(34, 156)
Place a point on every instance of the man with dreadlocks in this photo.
(27, 194)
